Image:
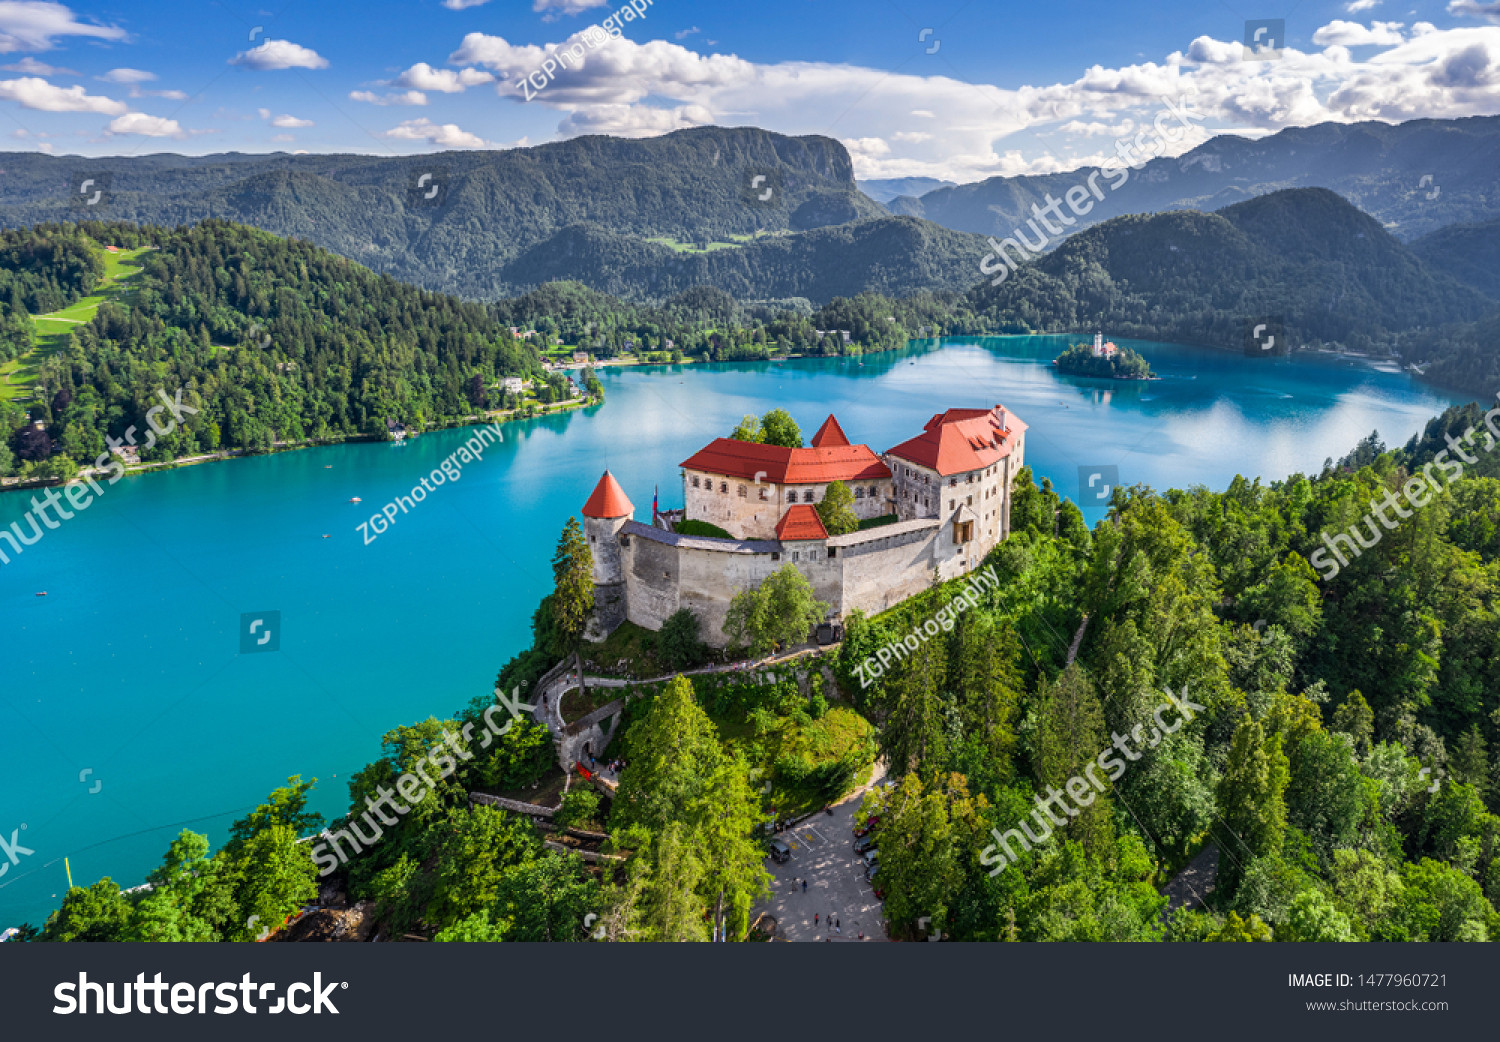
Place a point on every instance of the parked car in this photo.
(863, 843)
(780, 852)
(870, 856)
(870, 823)
(870, 874)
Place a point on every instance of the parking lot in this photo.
(823, 855)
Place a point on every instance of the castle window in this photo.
(724, 487)
(743, 493)
(963, 531)
(775, 556)
(796, 556)
(952, 482)
(833, 552)
(859, 493)
(763, 492)
(695, 482)
(969, 501)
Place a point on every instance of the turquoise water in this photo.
(130, 667)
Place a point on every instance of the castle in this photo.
(949, 489)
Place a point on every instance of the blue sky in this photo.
(994, 88)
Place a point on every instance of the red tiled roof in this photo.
(830, 435)
(608, 499)
(800, 522)
(782, 466)
(961, 440)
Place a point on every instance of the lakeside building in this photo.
(1103, 348)
(947, 492)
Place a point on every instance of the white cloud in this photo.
(32, 67)
(550, 9)
(33, 93)
(128, 76)
(280, 54)
(144, 125)
(1490, 11)
(174, 95)
(463, 5)
(287, 122)
(283, 137)
(409, 97)
(1351, 34)
(446, 135)
(629, 88)
(422, 76)
(1356, 6)
(28, 25)
(683, 34)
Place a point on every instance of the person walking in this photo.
(804, 886)
(815, 917)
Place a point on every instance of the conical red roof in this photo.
(800, 522)
(830, 435)
(608, 499)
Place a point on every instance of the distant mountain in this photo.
(485, 224)
(895, 256)
(1413, 177)
(1468, 252)
(885, 189)
(1304, 258)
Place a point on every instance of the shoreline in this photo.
(495, 416)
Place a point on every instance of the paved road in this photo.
(822, 854)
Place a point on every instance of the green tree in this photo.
(748, 429)
(1237, 929)
(673, 752)
(1252, 797)
(778, 428)
(782, 610)
(99, 913)
(1355, 718)
(669, 905)
(677, 643)
(573, 591)
(475, 847)
(580, 808)
(1314, 918)
(836, 509)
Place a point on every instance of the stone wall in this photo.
(750, 511)
(596, 731)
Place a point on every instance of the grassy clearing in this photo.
(50, 332)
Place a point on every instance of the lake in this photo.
(127, 711)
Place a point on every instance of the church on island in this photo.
(930, 509)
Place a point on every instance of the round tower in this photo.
(605, 513)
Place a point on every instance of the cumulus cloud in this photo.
(288, 122)
(1356, 6)
(145, 126)
(29, 25)
(280, 54)
(1351, 34)
(446, 135)
(422, 76)
(406, 97)
(1490, 11)
(34, 93)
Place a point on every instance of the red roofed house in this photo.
(747, 488)
(960, 470)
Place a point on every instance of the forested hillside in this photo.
(268, 338)
(1304, 256)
